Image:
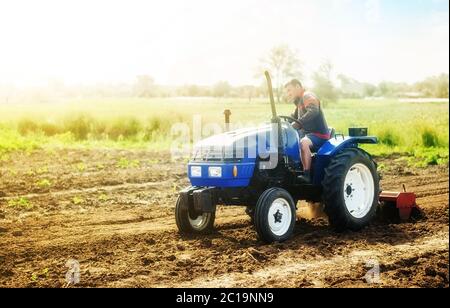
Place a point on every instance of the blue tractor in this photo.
(259, 167)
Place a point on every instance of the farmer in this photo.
(312, 126)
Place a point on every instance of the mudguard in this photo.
(331, 148)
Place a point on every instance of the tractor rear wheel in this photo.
(275, 215)
(190, 222)
(351, 190)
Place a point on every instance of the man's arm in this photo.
(312, 109)
(295, 116)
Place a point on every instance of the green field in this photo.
(416, 130)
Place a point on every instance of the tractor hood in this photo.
(229, 159)
(229, 138)
(235, 144)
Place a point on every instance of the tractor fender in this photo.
(333, 147)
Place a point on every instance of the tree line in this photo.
(284, 65)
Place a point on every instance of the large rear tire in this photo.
(191, 223)
(275, 215)
(351, 190)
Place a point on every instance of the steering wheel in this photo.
(290, 119)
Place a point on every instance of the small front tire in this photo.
(275, 215)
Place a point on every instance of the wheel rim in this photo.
(358, 190)
(199, 222)
(279, 216)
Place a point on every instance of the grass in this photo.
(4, 157)
(77, 200)
(42, 170)
(20, 203)
(80, 167)
(415, 129)
(103, 198)
(43, 274)
(44, 183)
(124, 163)
(11, 140)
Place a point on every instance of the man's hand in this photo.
(295, 116)
(296, 125)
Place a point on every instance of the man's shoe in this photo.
(305, 178)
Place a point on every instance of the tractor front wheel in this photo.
(351, 190)
(190, 222)
(275, 215)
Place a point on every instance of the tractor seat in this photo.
(332, 132)
(332, 135)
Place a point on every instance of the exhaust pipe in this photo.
(276, 122)
(272, 100)
(227, 114)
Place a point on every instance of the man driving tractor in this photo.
(312, 126)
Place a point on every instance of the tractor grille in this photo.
(209, 154)
(214, 154)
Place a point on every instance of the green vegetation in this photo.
(44, 183)
(77, 200)
(420, 130)
(42, 170)
(11, 140)
(43, 274)
(81, 167)
(4, 157)
(124, 163)
(103, 198)
(20, 203)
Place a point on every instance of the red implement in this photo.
(405, 202)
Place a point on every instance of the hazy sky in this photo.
(204, 41)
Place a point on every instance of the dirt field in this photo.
(113, 212)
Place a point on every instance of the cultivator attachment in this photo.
(397, 207)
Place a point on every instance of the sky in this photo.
(205, 41)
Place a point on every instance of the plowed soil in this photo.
(113, 212)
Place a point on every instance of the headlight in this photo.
(215, 172)
(196, 171)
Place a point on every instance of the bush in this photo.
(152, 129)
(125, 128)
(430, 138)
(50, 129)
(79, 125)
(26, 126)
(154, 124)
(389, 137)
(99, 129)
